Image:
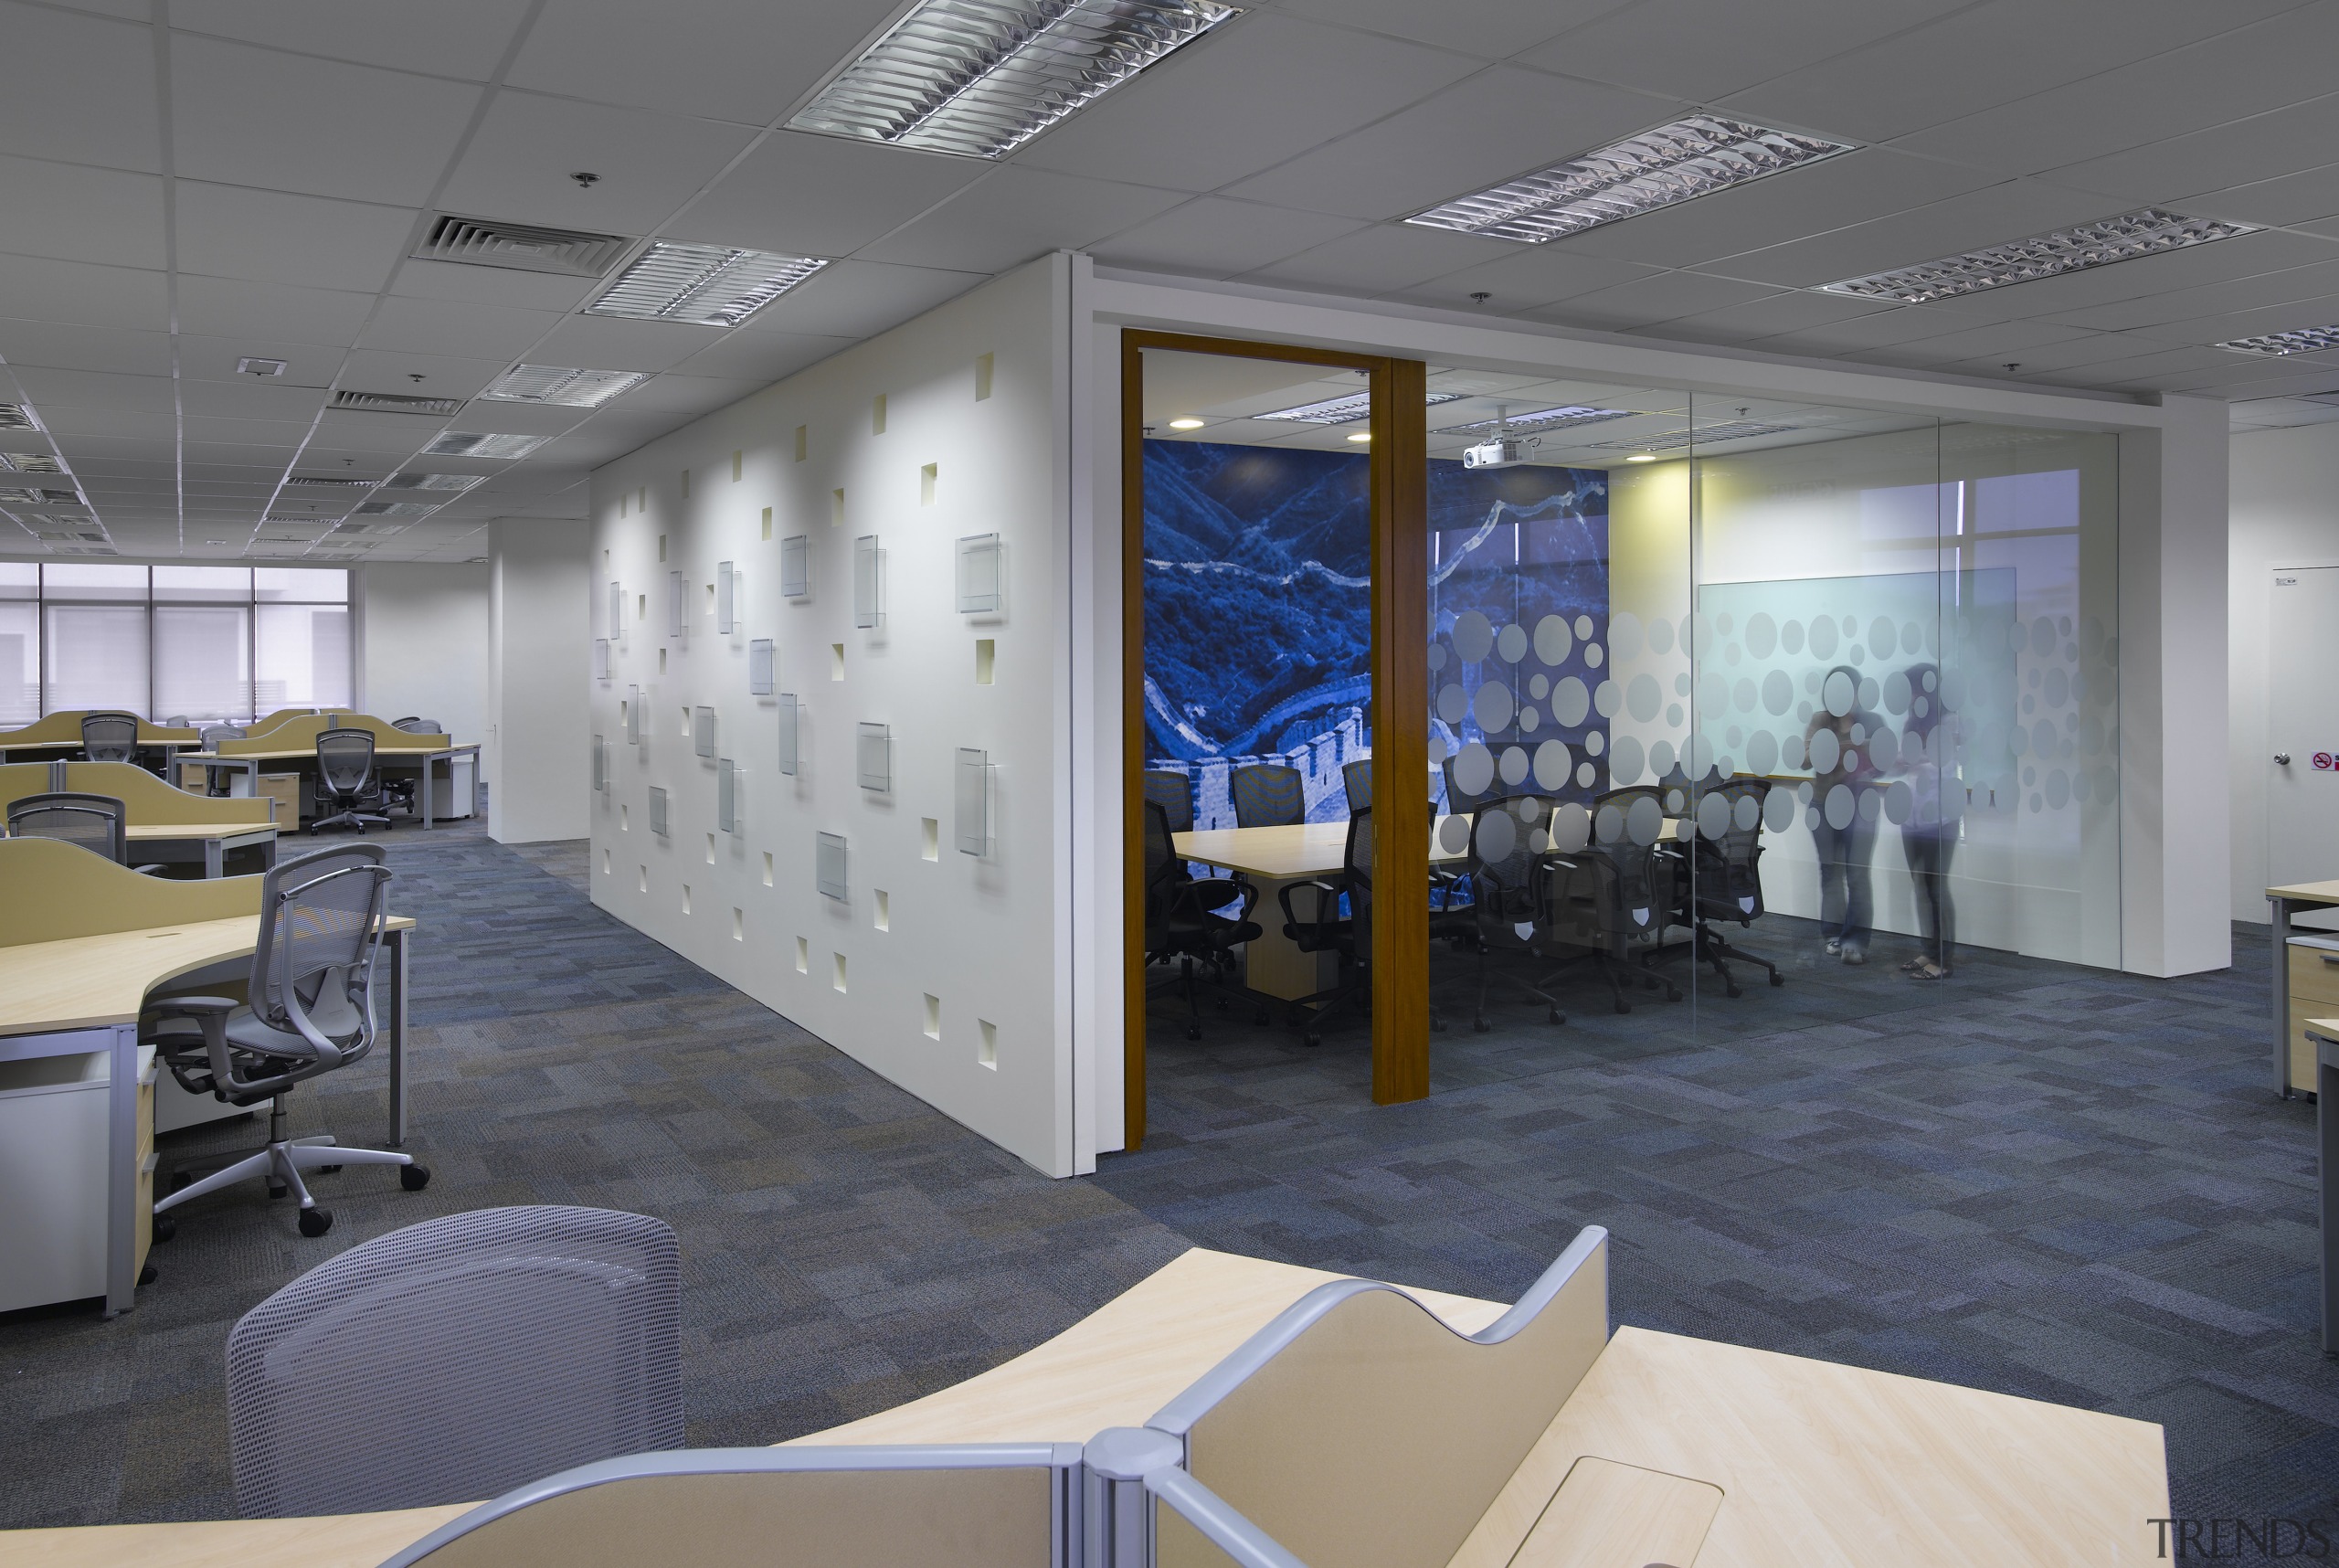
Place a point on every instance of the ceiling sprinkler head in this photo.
(2014, 365)
(1480, 298)
(585, 181)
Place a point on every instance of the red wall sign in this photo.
(2322, 762)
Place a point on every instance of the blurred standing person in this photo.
(1836, 742)
(1935, 808)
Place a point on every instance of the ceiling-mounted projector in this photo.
(1507, 452)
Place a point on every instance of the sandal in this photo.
(1928, 969)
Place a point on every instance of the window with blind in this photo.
(211, 643)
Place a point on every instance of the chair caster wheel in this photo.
(1311, 1040)
(148, 1275)
(315, 1222)
(180, 1179)
(1193, 1032)
(1556, 1016)
(1731, 990)
(165, 1227)
(1778, 979)
(277, 1189)
(1623, 1006)
(414, 1178)
(327, 1170)
(1480, 1026)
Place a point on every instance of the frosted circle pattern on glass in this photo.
(1840, 806)
(1607, 699)
(1823, 637)
(1883, 636)
(1839, 693)
(1644, 821)
(1492, 707)
(1552, 640)
(1551, 765)
(1826, 751)
(1497, 833)
(1452, 704)
(1761, 634)
(1713, 814)
(1570, 702)
(1474, 636)
(1791, 638)
(1608, 826)
(1539, 686)
(1436, 657)
(1473, 770)
(1897, 800)
(1884, 751)
(1624, 635)
(1454, 834)
(1762, 752)
(1592, 656)
(1778, 692)
(1778, 810)
(1570, 827)
(1747, 814)
(1585, 774)
(1595, 742)
(1583, 626)
(1513, 767)
(1642, 697)
(1511, 643)
(1624, 761)
(1660, 636)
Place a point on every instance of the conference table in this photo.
(84, 944)
(1808, 1464)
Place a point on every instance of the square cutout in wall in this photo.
(767, 868)
(641, 499)
(933, 1017)
(930, 839)
(624, 501)
(661, 661)
(767, 522)
(605, 863)
(686, 485)
(836, 661)
(686, 897)
(986, 660)
(987, 1045)
(642, 605)
(624, 818)
(883, 920)
(645, 879)
(803, 443)
(738, 924)
(710, 849)
(836, 508)
(737, 458)
(662, 546)
(877, 415)
(803, 956)
(836, 978)
(926, 477)
(983, 376)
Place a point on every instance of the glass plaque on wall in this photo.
(633, 715)
(759, 667)
(658, 811)
(829, 867)
(788, 721)
(703, 731)
(678, 604)
(868, 583)
(972, 820)
(726, 795)
(872, 757)
(981, 581)
(600, 765)
(795, 565)
(601, 658)
(726, 590)
(617, 609)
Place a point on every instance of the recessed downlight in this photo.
(2147, 231)
(1642, 457)
(1361, 437)
(1189, 423)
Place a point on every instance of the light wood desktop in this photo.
(166, 824)
(294, 740)
(83, 943)
(60, 733)
(2293, 1057)
(1760, 1460)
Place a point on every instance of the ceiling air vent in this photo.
(397, 508)
(336, 481)
(396, 403)
(16, 416)
(30, 463)
(470, 443)
(483, 242)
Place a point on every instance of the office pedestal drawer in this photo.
(2314, 993)
(53, 1185)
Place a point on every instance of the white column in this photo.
(539, 672)
(2175, 795)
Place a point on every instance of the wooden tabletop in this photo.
(141, 831)
(2307, 892)
(380, 750)
(1282, 854)
(1819, 1466)
(85, 983)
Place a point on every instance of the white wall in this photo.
(2285, 509)
(421, 634)
(539, 713)
(988, 936)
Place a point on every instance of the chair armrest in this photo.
(193, 1006)
(150, 870)
(1329, 891)
(1211, 893)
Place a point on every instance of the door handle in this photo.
(2283, 757)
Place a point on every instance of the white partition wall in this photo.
(901, 438)
(540, 731)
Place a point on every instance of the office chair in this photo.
(1183, 918)
(403, 793)
(216, 780)
(1509, 909)
(1726, 882)
(1356, 778)
(1174, 793)
(1267, 795)
(346, 780)
(312, 1012)
(1462, 802)
(457, 1359)
(1617, 895)
(1342, 925)
(109, 736)
(419, 726)
(99, 823)
(176, 721)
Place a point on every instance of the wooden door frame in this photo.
(1399, 504)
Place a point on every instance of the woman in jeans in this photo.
(1836, 742)
(1930, 835)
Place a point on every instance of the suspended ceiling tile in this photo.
(2291, 199)
(1767, 316)
(689, 396)
(489, 285)
(214, 359)
(33, 343)
(444, 375)
(92, 98)
(2227, 261)
(1489, 127)
(518, 167)
(1255, 90)
(1214, 237)
(241, 309)
(610, 342)
(763, 356)
(1487, 29)
(802, 195)
(349, 430)
(2003, 340)
(744, 60)
(456, 329)
(1647, 301)
(274, 236)
(859, 299)
(1702, 50)
(2186, 170)
(1013, 213)
(79, 213)
(1382, 258)
(1524, 277)
(251, 398)
(363, 134)
(2009, 210)
(444, 38)
(54, 390)
(38, 289)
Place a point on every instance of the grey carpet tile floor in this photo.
(2038, 1179)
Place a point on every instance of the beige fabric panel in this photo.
(51, 890)
(1378, 1437)
(805, 1518)
(152, 800)
(267, 721)
(302, 732)
(64, 728)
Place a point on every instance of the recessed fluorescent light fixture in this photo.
(2147, 231)
(1642, 457)
(2304, 340)
(17, 416)
(394, 403)
(471, 443)
(433, 481)
(1344, 410)
(18, 495)
(396, 509)
(1739, 431)
(1186, 424)
(556, 384)
(30, 463)
(979, 78)
(1542, 419)
(1362, 436)
(1692, 157)
(701, 285)
(335, 481)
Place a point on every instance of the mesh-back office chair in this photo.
(1267, 795)
(1356, 778)
(1509, 910)
(457, 1359)
(1617, 895)
(216, 779)
(1184, 918)
(109, 736)
(1174, 793)
(403, 793)
(1726, 884)
(1341, 923)
(312, 1012)
(1462, 802)
(99, 823)
(346, 780)
(419, 726)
